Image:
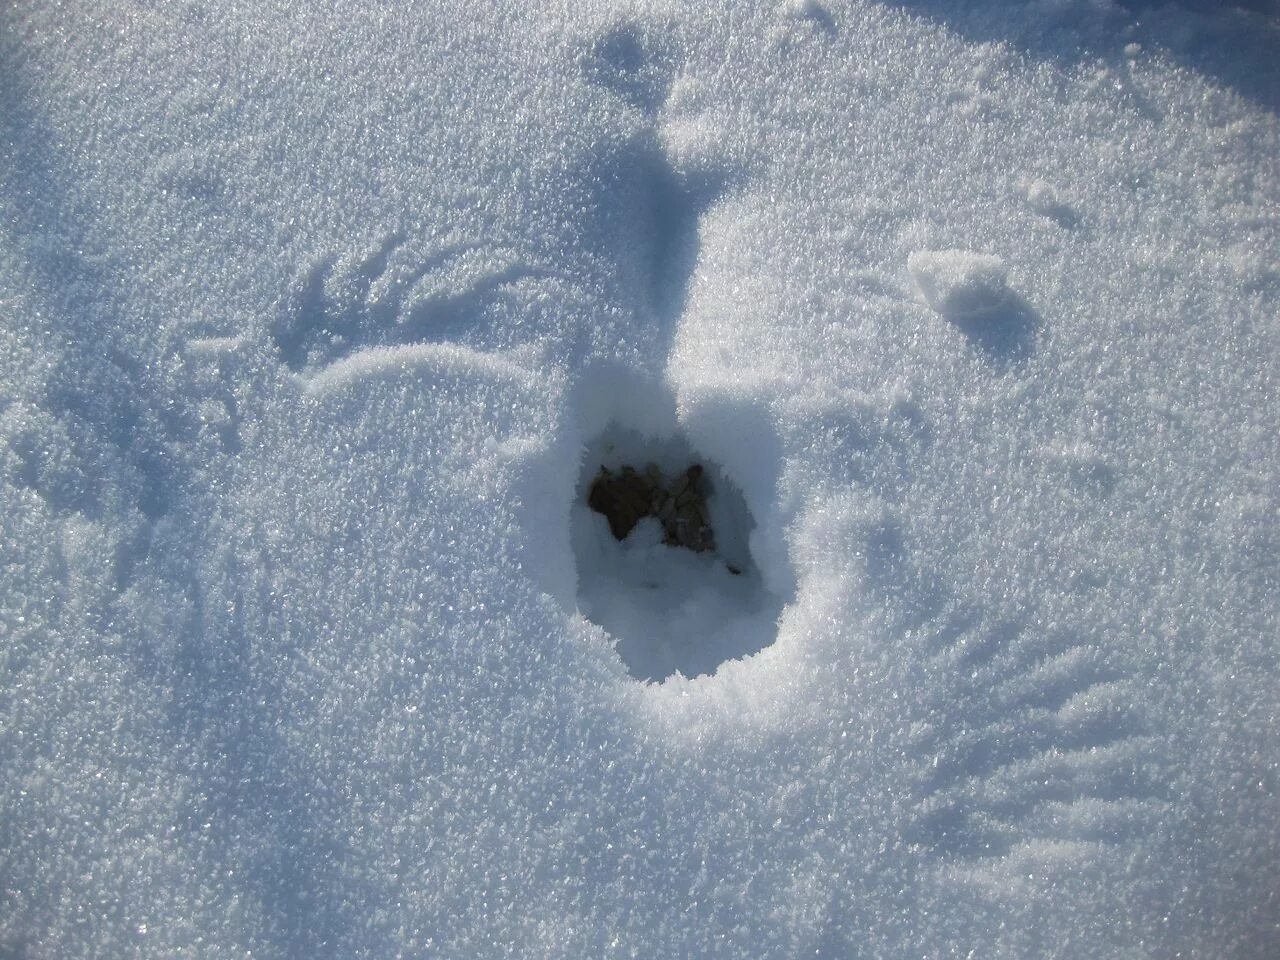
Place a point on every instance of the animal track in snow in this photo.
(393, 294)
(654, 190)
(1036, 739)
(670, 611)
(1025, 741)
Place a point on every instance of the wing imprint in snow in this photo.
(394, 294)
(1034, 742)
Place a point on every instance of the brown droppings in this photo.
(626, 496)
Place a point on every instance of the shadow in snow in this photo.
(1005, 333)
(1233, 43)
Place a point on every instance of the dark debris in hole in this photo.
(627, 495)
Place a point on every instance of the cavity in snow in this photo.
(661, 538)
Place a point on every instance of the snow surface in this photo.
(309, 313)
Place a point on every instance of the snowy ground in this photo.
(312, 319)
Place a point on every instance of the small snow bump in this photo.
(812, 12)
(960, 283)
(804, 8)
(373, 363)
(214, 412)
(1042, 198)
(213, 346)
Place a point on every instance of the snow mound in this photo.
(960, 284)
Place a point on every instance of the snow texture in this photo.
(313, 318)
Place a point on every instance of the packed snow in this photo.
(317, 320)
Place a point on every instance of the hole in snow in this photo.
(664, 564)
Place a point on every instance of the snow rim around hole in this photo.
(672, 613)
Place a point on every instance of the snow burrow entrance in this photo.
(660, 535)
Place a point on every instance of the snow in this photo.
(315, 324)
(960, 283)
